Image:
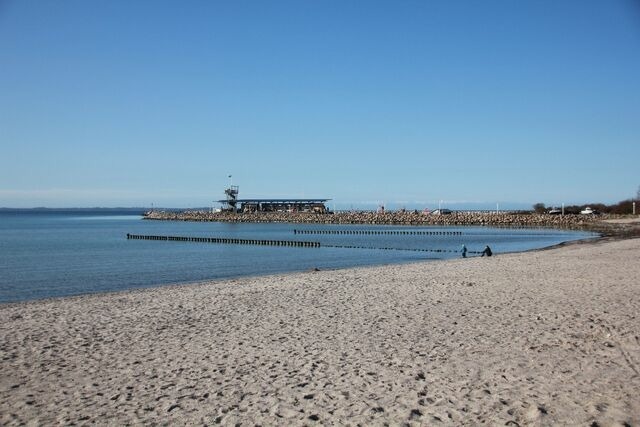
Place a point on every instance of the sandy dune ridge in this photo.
(539, 338)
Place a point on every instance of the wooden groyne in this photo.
(382, 232)
(290, 243)
(225, 240)
(399, 249)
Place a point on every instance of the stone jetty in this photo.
(502, 219)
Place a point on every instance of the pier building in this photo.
(233, 204)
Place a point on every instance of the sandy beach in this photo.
(541, 338)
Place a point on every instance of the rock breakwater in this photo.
(505, 219)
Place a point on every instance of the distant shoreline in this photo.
(140, 211)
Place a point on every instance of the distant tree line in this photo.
(623, 207)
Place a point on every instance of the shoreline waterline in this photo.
(63, 254)
(586, 241)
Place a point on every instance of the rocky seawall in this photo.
(505, 219)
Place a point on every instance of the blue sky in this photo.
(129, 103)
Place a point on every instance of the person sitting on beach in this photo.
(487, 251)
(464, 251)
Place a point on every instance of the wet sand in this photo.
(540, 338)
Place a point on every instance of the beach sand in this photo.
(540, 338)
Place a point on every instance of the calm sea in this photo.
(52, 254)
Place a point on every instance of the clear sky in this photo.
(129, 103)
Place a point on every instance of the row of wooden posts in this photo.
(396, 249)
(379, 232)
(226, 240)
(292, 243)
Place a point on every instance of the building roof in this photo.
(277, 201)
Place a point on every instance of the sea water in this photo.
(47, 254)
